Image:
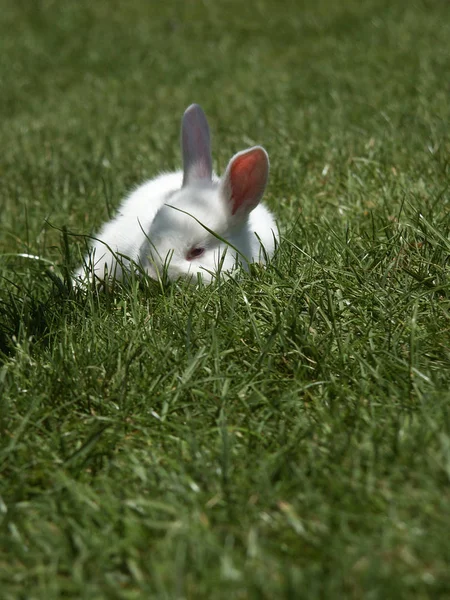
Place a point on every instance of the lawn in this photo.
(281, 434)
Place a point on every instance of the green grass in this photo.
(282, 435)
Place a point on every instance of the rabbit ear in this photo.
(245, 180)
(195, 145)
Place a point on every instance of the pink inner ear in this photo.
(248, 178)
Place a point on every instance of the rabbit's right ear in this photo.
(195, 145)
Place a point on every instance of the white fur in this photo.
(150, 231)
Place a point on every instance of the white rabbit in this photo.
(169, 223)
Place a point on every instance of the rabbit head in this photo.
(205, 224)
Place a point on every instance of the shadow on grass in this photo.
(35, 299)
(27, 312)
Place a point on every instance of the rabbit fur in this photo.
(189, 221)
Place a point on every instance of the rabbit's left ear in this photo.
(195, 145)
(245, 180)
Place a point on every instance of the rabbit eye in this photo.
(194, 253)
